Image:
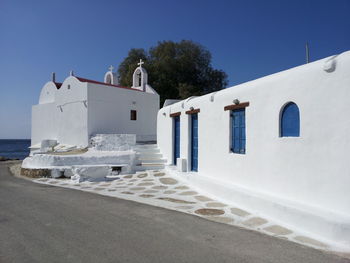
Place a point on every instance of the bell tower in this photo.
(111, 77)
(140, 77)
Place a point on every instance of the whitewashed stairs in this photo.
(148, 157)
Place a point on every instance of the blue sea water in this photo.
(14, 149)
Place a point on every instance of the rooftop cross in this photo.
(111, 68)
(140, 63)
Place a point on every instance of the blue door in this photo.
(238, 138)
(194, 142)
(176, 138)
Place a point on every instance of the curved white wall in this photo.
(48, 92)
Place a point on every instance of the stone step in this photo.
(142, 156)
(152, 161)
(148, 167)
(145, 146)
(150, 150)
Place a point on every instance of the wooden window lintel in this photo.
(193, 111)
(175, 114)
(236, 106)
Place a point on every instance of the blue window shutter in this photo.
(242, 132)
(290, 121)
(238, 135)
(176, 138)
(194, 142)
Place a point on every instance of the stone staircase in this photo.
(148, 157)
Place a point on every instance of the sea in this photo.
(14, 149)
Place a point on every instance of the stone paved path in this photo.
(160, 189)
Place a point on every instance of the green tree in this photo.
(176, 70)
(127, 67)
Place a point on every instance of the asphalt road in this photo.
(40, 223)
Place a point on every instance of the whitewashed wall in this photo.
(78, 110)
(44, 113)
(109, 111)
(48, 93)
(72, 113)
(44, 125)
(303, 181)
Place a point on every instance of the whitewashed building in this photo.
(278, 146)
(71, 112)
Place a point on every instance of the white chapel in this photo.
(73, 111)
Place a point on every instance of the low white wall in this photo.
(113, 142)
(89, 158)
(312, 169)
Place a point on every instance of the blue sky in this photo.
(248, 39)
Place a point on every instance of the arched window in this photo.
(109, 79)
(290, 121)
(139, 79)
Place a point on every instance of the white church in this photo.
(69, 113)
(278, 145)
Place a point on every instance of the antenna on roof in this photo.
(307, 52)
(71, 73)
(53, 77)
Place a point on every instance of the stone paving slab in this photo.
(158, 188)
(239, 212)
(255, 222)
(278, 230)
(215, 204)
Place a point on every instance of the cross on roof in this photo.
(111, 68)
(140, 63)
